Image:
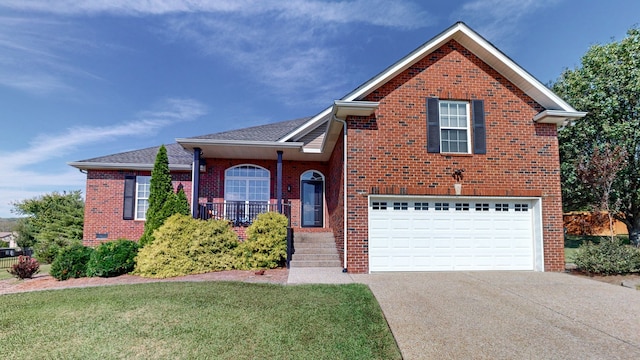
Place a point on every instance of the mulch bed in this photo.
(47, 282)
(611, 279)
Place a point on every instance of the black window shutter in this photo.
(433, 125)
(479, 132)
(129, 197)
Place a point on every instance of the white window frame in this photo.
(142, 183)
(248, 179)
(467, 129)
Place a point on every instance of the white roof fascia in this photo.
(490, 54)
(558, 117)
(343, 108)
(197, 142)
(326, 134)
(116, 166)
(305, 126)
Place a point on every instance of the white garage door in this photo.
(444, 234)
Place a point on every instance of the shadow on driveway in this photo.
(508, 315)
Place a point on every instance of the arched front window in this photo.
(246, 183)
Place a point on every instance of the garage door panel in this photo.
(474, 237)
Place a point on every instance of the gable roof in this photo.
(557, 110)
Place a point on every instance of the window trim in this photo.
(137, 196)
(477, 137)
(467, 128)
(267, 178)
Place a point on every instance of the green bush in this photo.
(113, 258)
(46, 250)
(266, 243)
(183, 246)
(607, 258)
(71, 262)
(4, 244)
(25, 268)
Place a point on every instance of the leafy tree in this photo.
(607, 86)
(160, 193)
(52, 221)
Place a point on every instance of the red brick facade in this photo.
(104, 205)
(390, 147)
(388, 152)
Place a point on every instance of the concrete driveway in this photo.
(508, 315)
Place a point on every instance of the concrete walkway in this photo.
(508, 315)
(318, 275)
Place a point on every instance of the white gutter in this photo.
(85, 165)
(558, 117)
(344, 187)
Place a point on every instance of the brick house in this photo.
(446, 160)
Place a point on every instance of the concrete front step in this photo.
(308, 257)
(315, 250)
(314, 240)
(299, 245)
(315, 263)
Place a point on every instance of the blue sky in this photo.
(80, 79)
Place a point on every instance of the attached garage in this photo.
(454, 233)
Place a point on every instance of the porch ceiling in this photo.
(259, 150)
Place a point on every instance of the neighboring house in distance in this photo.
(455, 103)
(9, 238)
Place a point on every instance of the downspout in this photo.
(344, 186)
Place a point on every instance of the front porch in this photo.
(241, 213)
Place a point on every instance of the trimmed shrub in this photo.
(71, 262)
(47, 249)
(607, 258)
(266, 243)
(25, 268)
(183, 246)
(113, 258)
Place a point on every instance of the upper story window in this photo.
(454, 127)
(246, 183)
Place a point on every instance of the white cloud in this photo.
(34, 55)
(287, 46)
(400, 14)
(499, 20)
(27, 178)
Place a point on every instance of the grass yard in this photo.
(199, 320)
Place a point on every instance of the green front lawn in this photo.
(208, 320)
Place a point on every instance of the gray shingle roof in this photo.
(176, 154)
(179, 156)
(268, 132)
